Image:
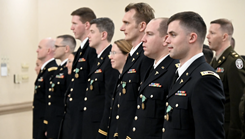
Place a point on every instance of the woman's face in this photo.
(118, 59)
(38, 66)
(69, 63)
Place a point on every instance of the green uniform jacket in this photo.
(230, 67)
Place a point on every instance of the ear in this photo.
(67, 49)
(104, 35)
(164, 41)
(193, 37)
(87, 25)
(142, 26)
(225, 37)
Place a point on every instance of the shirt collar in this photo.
(62, 63)
(83, 43)
(217, 57)
(183, 68)
(46, 63)
(98, 56)
(159, 61)
(134, 49)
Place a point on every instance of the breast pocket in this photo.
(179, 115)
(155, 102)
(132, 85)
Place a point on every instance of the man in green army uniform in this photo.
(230, 67)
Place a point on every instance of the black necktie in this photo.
(176, 76)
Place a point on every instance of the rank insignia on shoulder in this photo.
(239, 63)
(98, 71)
(52, 68)
(203, 73)
(181, 93)
(131, 71)
(220, 69)
(155, 85)
(81, 60)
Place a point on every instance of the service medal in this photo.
(143, 106)
(124, 91)
(91, 87)
(76, 75)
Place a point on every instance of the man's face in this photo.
(152, 41)
(60, 49)
(42, 50)
(94, 36)
(77, 27)
(177, 40)
(215, 37)
(130, 27)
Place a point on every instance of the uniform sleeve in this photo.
(236, 85)
(207, 104)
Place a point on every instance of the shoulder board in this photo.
(234, 54)
(203, 73)
(177, 65)
(52, 68)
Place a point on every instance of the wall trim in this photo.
(15, 108)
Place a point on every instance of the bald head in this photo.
(45, 49)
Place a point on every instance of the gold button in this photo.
(138, 106)
(84, 108)
(176, 105)
(151, 96)
(85, 99)
(117, 117)
(112, 98)
(69, 95)
(111, 108)
(61, 68)
(49, 103)
(49, 89)
(51, 82)
(118, 105)
(129, 81)
(163, 129)
(81, 68)
(120, 94)
(95, 79)
(166, 103)
(141, 95)
(165, 117)
(134, 128)
(71, 89)
(135, 118)
(70, 99)
(49, 96)
(72, 79)
(109, 117)
(89, 79)
(58, 83)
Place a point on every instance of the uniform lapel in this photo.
(79, 53)
(132, 60)
(222, 58)
(158, 72)
(100, 60)
(186, 76)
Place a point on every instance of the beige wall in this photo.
(24, 22)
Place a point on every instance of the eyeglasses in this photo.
(57, 46)
(114, 52)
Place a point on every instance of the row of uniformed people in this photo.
(98, 104)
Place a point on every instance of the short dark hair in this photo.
(163, 27)
(104, 24)
(144, 12)
(68, 40)
(208, 53)
(86, 14)
(225, 25)
(193, 22)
